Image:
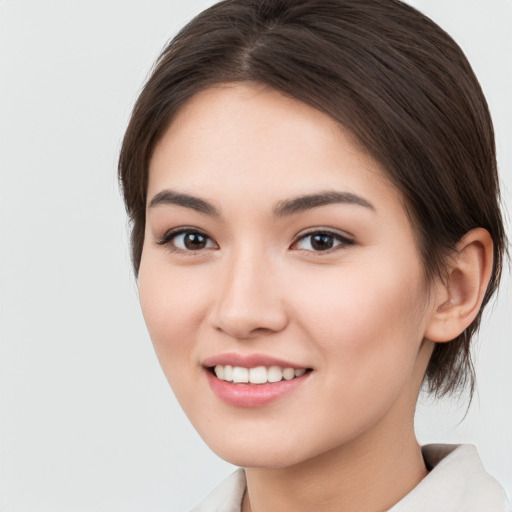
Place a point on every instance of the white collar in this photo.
(457, 483)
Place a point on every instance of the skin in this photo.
(360, 314)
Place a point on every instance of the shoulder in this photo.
(457, 481)
(227, 497)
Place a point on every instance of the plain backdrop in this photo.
(87, 421)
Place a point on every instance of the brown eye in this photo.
(194, 241)
(321, 241)
(187, 241)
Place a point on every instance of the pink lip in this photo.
(249, 361)
(252, 395)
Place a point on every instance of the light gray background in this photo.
(87, 422)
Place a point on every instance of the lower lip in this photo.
(252, 395)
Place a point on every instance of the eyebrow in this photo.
(282, 209)
(169, 197)
(303, 203)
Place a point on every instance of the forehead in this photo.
(261, 145)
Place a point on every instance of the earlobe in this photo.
(459, 297)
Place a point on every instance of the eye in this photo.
(187, 240)
(321, 241)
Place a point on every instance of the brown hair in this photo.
(381, 69)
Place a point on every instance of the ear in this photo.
(459, 296)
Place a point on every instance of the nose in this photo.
(249, 303)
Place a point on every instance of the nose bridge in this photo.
(249, 302)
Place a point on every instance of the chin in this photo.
(251, 451)
(260, 458)
(270, 452)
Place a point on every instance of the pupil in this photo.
(322, 242)
(194, 241)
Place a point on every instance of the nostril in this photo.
(246, 309)
(243, 332)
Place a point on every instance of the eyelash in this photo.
(343, 240)
(169, 237)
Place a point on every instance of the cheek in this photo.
(173, 302)
(366, 322)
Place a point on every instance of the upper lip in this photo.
(249, 361)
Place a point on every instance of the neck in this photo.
(369, 475)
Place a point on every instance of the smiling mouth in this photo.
(256, 375)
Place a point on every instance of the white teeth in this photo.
(275, 374)
(219, 371)
(288, 373)
(240, 374)
(257, 375)
(228, 373)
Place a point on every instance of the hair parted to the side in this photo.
(381, 69)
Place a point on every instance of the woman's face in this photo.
(274, 241)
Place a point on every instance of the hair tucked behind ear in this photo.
(381, 69)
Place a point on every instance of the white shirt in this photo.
(457, 482)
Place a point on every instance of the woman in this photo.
(316, 230)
